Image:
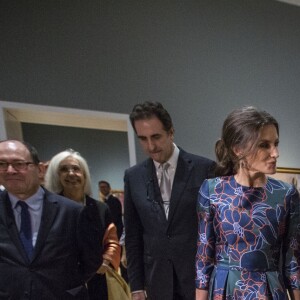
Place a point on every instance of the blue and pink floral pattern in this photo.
(248, 240)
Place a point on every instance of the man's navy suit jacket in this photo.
(159, 249)
(67, 252)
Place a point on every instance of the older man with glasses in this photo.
(48, 247)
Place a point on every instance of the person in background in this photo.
(68, 175)
(249, 223)
(114, 205)
(49, 248)
(160, 209)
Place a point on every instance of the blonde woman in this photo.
(68, 175)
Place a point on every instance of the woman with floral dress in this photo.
(249, 223)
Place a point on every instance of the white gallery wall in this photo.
(201, 59)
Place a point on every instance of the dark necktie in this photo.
(165, 187)
(25, 229)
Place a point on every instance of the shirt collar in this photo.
(34, 202)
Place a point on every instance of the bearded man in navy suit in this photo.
(161, 235)
(62, 246)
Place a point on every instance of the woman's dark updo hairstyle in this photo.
(241, 129)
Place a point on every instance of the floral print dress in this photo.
(248, 240)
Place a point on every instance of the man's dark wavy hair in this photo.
(148, 110)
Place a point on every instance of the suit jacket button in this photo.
(169, 236)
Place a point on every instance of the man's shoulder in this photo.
(113, 198)
(202, 165)
(196, 158)
(3, 197)
(139, 167)
(60, 200)
(96, 203)
(3, 194)
(144, 165)
(51, 198)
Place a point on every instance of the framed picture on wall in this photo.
(290, 175)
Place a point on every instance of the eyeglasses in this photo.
(17, 165)
(67, 169)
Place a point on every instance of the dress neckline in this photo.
(245, 187)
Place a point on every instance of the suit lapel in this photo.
(50, 208)
(8, 218)
(183, 172)
(153, 191)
